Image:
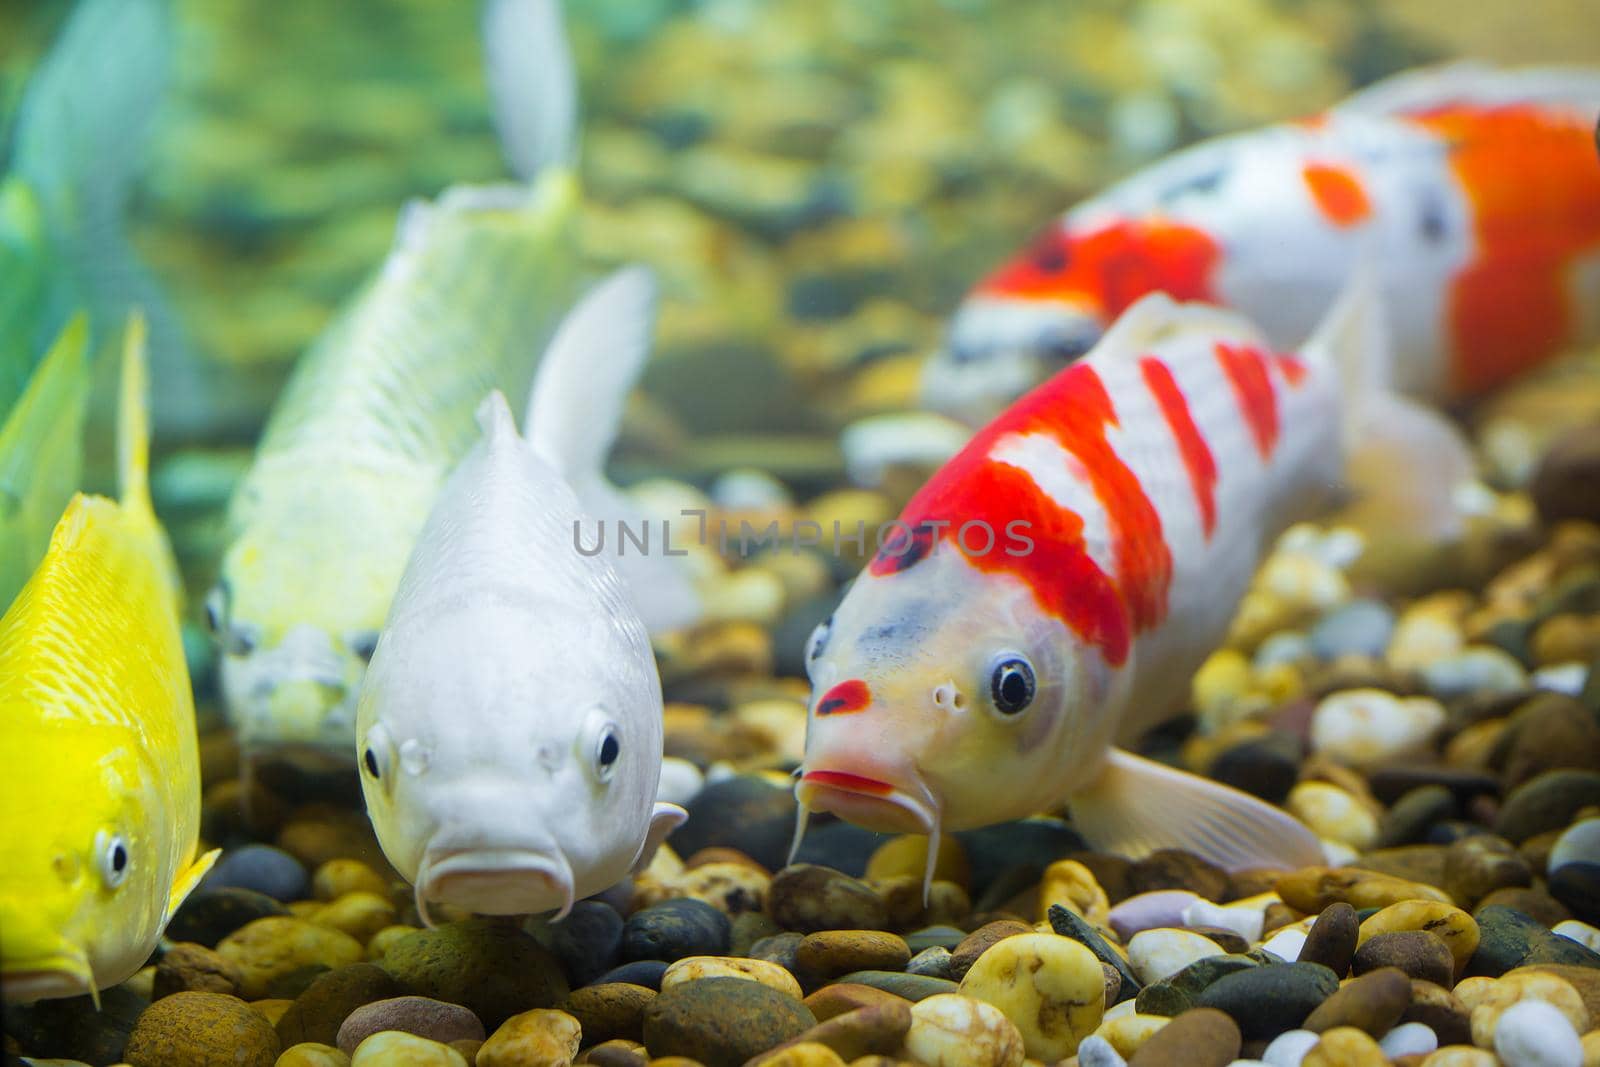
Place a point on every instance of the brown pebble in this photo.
(188, 967)
(316, 1013)
(807, 898)
(1372, 1003)
(872, 1031)
(201, 1028)
(830, 953)
(1172, 868)
(1476, 866)
(975, 944)
(1440, 1011)
(1416, 952)
(1200, 1037)
(1534, 903)
(1331, 941)
(718, 854)
(834, 1000)
(610, 1010)
(1312, 889)
(616, 1053)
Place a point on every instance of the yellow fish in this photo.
(99, 763)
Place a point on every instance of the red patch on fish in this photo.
(1292, 368)
(1534, 186)
(1109, 268)
(846, 698)
(1338, 193)
(1073, 409)
(851, 783)
(1197, 458)
(1246, 369)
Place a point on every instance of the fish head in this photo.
(509, 768)
(83, 879)
(296, 614)
(942, 697)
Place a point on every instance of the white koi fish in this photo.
(509, 731)
(1052, 588)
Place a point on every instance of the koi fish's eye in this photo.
(111, 858)
(1066, 347)
(606, 753)
(1012, 685)
(818, 641)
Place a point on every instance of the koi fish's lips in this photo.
(868, 803)
(497, 881)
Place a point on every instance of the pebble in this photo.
(950, 1030)
(1584, 934)
(841, 997)
(432, 1019)
(1408, 1039)
(827, 954)
(1289, 1048)
(1578, 843)
(808, 898)
(1073, 886)
(261, 868)
(1534, 1034)
(1331, 941)
(934, 962)
(588, 941)
(693, 968)
(316, 1013)
(337, 877)
(1244, 920)
(188, 967)
(1096, 1051)
(1449, 924)
(722, 1022)
(493, 969)
(1361, 727)
(1147, 911)
(189, 1029)
(207, 918)
(609, 1010)
(975, 944)
(1508, 938)
(1202, 1037)
(1416, 952)
(875, 1030)
(1345, 1047)
(913, 987)
(1067, 924)
(312, 1054)
(1441, 1011)
(800, 1054)
(780, 948)
(907, 855)
(392, 1048)
(359, 913)
(1267, 1000)
(1356, 628)
(1286, 944)
(1311, 889)
(1415, 815)
(1372, 1003)
(538, 1038)
(1476, 866)
(1334, 813)
(1156, 954)
(1050, 987)
(1173, 868)
(675, 929)
(1546, 802)
(647, 973)
(266, 950)
(1490, 1005)
(1477, 670)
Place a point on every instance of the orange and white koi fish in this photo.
(1050, 591)
(1476, 192)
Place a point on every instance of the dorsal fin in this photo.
(532, 84)
(494, 419)
(1476, 84)
(1155, 316)
(133, 420)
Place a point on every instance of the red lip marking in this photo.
(846, 698)
(853, 783)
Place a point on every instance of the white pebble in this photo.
(919, 439)
(1117, 1011)
(1407, 1039)
(1283, 647)
(1579, 843)
(1367, 726)
(1286, 944)
(1289, 1048)
(680, 781)
(1581, 932)
(1246, 922)
(1337, 853)
(1532, 1033)
(1568, 678)
(1158, 954)
(1475, 669)
(1096, 1051)
(749, 489)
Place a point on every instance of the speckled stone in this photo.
(827, 954)
(494, 969)
(1202, 1037)
(722, 1022)
(674, 929)
(432, 1019)
(809, 898)
(1265, 1001)
(610, 1010)
(189, 1029)
(315, 1015)
(188, 967)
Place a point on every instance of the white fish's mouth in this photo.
(496, 881)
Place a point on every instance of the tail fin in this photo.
(533, 86)
(41, 454)
(575, 410)
(133, 451)
(1405, 465)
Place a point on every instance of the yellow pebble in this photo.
(379, 942)
(1473, 991)
(805, 1054)
(337, 877)
(1333, 813)
(311, 1054)
(1126, 1032)
(394, 1048)
(908, 855)
(272, 1008)
(1461, 1056)
(768, 974)
(1457, 929)
(1345, 1046)
(950, 1030)
(1050, 987)
(542, 1037)
(1221, 680)
(1591, 1049)
(1073, 886)
(359, 913)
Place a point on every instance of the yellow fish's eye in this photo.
(111, 858)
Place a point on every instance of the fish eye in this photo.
(1012, 685)
(1066, 347)
(363, 644)
(818, 640)
(375, 760)
(606, 753)
(216, 610)
(112, 858)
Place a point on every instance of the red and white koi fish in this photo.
(1052, 588)
(1476, 192)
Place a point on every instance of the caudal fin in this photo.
(1406, 466)
(575, 412)
(133, 450)
(1136, 806)
(41, 454)
(533, 86)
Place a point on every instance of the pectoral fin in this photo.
(187, 880)
(1137, 806)
(663, 820)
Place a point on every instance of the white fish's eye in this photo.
(818, 642)
(607, 751)
(1011, 684)
(376, 755)
(111, 858)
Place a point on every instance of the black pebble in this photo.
(674, 929)
(641, 972)
(588, 941)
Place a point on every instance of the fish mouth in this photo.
(869, 802)
(496, 881)
(65, 975)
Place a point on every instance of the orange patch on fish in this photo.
(1246, 369)
(1338, 193)
(846, 698)
(1533, 181)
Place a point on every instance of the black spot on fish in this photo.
(1432, 223)
(903, 548)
